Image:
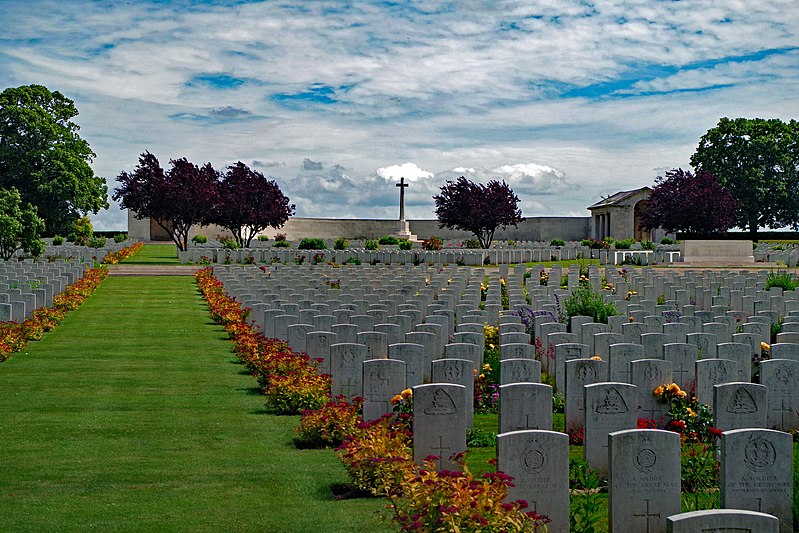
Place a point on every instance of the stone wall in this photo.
(532, 229)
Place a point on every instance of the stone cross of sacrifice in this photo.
(402, 185)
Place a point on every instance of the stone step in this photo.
(152, 270)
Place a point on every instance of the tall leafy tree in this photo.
(693, 203)
(478, 208)
(44, 158)
(248, 203)
(757, 160)
(19, 227)
(176, 199)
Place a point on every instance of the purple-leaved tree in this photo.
(478, 208)
(177, 199)
(691, 203)
(248, 203)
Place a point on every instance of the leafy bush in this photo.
(471, 243)
(263, 238)
(778, 247)
(388, 240)
(557, 242)
(83, 231)
(585, 302)
(312, 243)
(624, 244)
(120, 237)
(781, 279)
(666, 240)
(405, 244)
(58, 240)
(445, 500)
(341, 244)
(281, 244)
(199, 239)
(648, 245)
(378, 456)
(371, 244)
(595, 244)
(433, 243)
(96, 242)
(329, 425)
(353, 261)
(280, 237)
(229, 243)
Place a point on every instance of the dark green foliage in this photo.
(471, 243)
(371, 244)
(199, 239)
(758, 162)
(388, 240)
(96, 242)
(19, 227)
(585, 302)
(44, 158)
(666, 240)
(263, 238)
(787, 281)
(120, 237)
(557, 242)
(312, 243)
(58, 240)
(648, 245)
(341, 244)
(624, 244)
(281, 244)
(477, 438)
(405, 244)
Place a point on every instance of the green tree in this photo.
(757, 161)
(19, 228)
(44, 158)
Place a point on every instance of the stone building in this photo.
(619, 216)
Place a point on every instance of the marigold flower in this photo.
(682, 394)
(674, 388)
(596, 358)
(475, 371)
(396, 398)
(765, 346)
(487, 367)
(407, 393)
(691, 413)
(659, 391)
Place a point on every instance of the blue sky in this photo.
(566, 100)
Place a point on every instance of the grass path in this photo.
(132, 416)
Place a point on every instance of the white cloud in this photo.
(569, 98)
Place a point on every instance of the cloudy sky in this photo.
(566, 100)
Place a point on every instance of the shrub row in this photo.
(112, 258)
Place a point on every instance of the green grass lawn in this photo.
(133, 416)
(155, 254)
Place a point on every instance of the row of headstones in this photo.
(767, 252)
(386, 256)
(27, 286)
(643, 467)
(83, 253)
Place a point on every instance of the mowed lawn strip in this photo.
(134, 416)
(155, 254)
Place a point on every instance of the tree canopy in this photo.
(20, 227)
(44, 158)
(757, 160)
(477, 208)
(248, 203)
(693, 203)
(176, 199)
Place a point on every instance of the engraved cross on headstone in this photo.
(402, 185)
(526, 422)
(648, 516)
(782, 410)
(440, 448)
(679, 374)
(347, 388)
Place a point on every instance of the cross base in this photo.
(403, 231)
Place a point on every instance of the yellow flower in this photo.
(475, 371)
(765, 346)
(682, 394)
(674, 388)
(596, 358)
(659, 391)
(502, 282)
(396, 399)
(490, 346)
(481, 376)
(407, 393)
(487, 367)
(692, 413)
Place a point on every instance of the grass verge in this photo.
(133, 416)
